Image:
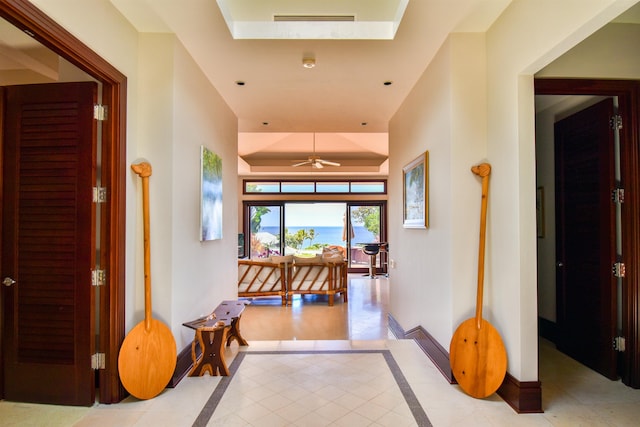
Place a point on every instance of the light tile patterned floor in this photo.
(305, 388)
(572, 394)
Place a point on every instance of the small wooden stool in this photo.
(212, 332)
(212, 357)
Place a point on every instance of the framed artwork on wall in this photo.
(416, 192)
(210, 195)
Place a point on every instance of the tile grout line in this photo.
(410, 398)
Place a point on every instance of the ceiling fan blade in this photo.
(328, 163)
(306, 162)
(316, 162)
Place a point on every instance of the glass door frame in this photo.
(383, 257)
(246, 223)
(381, 204)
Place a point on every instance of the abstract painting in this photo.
(210, 195)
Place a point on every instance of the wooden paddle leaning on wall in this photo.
(477, 354)
(148, 354)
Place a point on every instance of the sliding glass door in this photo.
(305, 228)
(366, 226)
(264, 230)
(310, 227)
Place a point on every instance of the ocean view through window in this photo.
(326, 235)
(307, 228)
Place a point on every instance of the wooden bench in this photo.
(212, 332)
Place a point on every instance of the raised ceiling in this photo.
(344, 94)
(276, 152)
(343, 100)
(347, 99)
(306, 20)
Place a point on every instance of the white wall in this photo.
(435, 289)
(181, 113)
(611, 52)
(154, 143)
(434, 283)
(171, 111)
(205, 273)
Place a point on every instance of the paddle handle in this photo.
(144, 171)
(483, 170)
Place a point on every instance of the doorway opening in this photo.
(568, 247)
(111, 228)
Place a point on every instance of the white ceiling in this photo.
(344, 100)
(344, 94)
(327, 19)
(344, 90)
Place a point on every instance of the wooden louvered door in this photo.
(48, 243)
(585, 238)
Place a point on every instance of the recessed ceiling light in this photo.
(388, 83)
(308, 62)
(240, 83)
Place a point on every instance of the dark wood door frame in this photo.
(629, 107)
(34, 22)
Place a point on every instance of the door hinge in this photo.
(100, 112)
(99, 195)
(97, 361)
(98, 277)
(617, 195)
(619, 269)
(616, 121)
(619, 344)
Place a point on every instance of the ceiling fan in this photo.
(315, 161)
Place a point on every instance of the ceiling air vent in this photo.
(314, 18)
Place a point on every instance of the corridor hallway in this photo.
(344, 341)
(309, 317)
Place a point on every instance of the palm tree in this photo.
(310, 235)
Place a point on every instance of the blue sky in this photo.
(305, 214)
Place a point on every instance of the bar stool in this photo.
(372, 250)
(384, 247)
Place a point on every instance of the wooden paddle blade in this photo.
(478, 358)
(147, 359)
